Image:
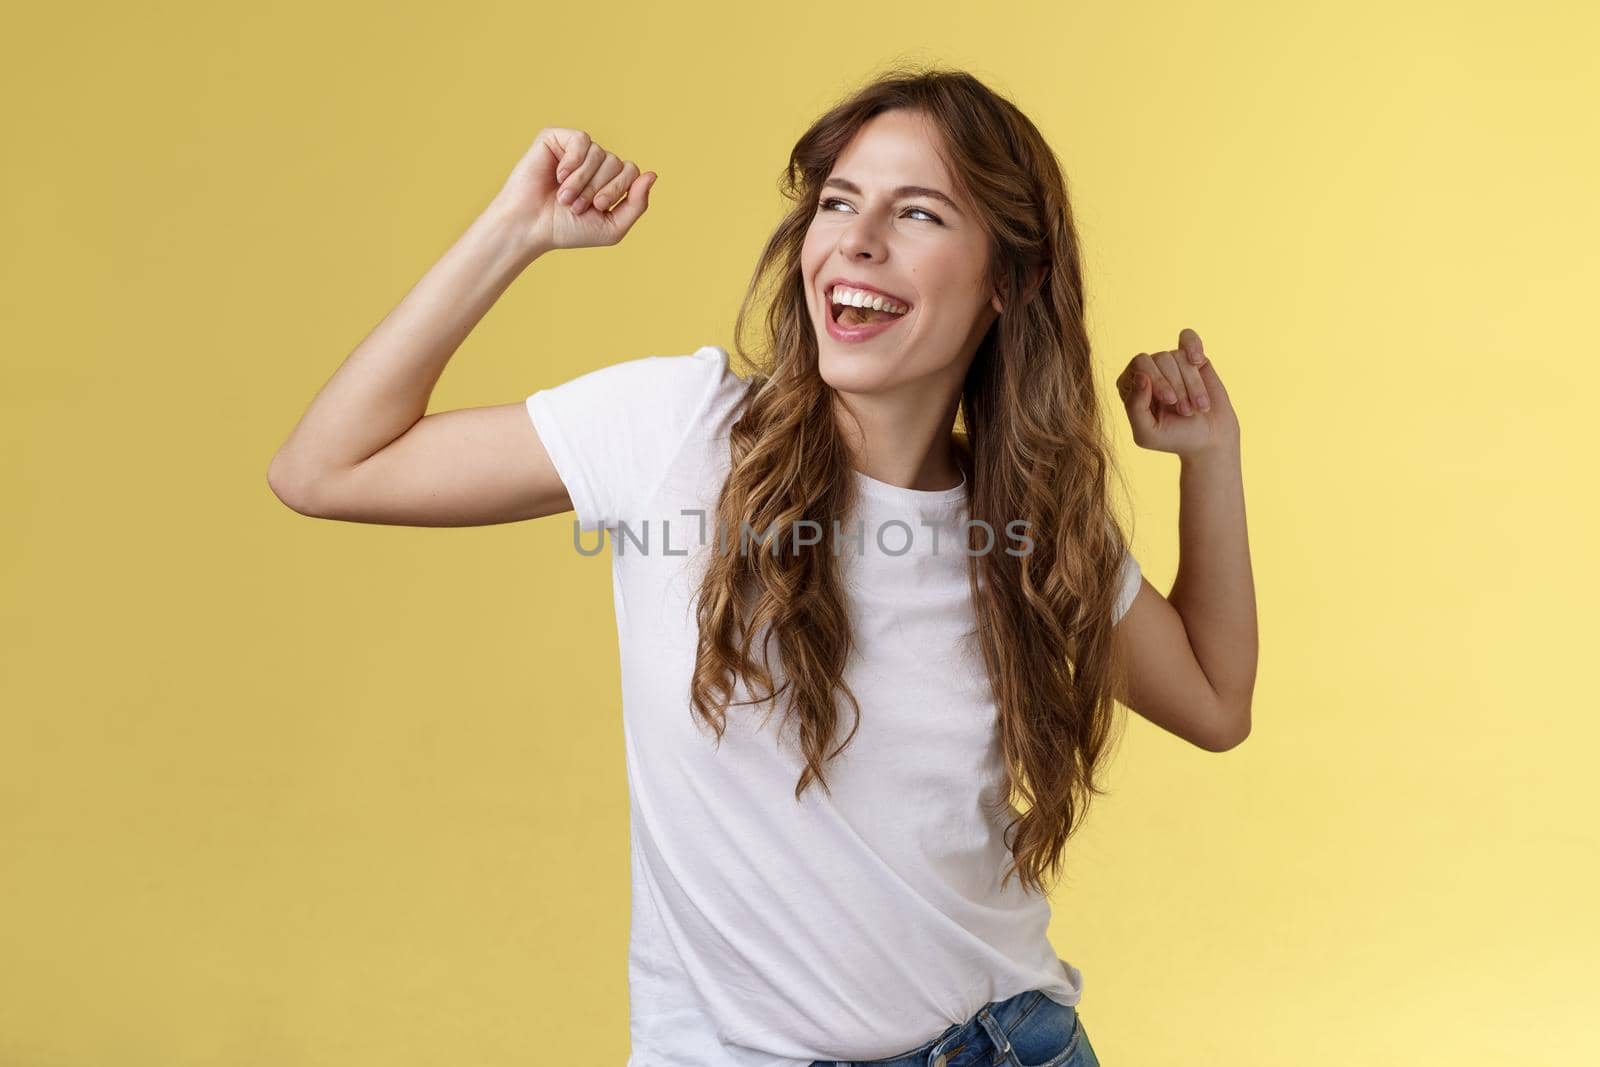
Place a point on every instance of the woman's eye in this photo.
(826, 205)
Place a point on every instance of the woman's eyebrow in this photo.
(905, 190)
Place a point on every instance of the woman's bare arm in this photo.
(365, 451)
(468, 467)
(1192, 654)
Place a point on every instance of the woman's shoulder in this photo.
(708, 381)
(699, 379)
(651, 390)
(616, 431)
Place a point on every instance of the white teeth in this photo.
(859, 298)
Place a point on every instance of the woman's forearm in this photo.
(1214, 591)
(382, 388)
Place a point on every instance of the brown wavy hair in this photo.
(1028, 435)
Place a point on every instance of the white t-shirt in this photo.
(768, 930)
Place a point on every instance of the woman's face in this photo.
(912, 245)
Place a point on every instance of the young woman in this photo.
(867, 595)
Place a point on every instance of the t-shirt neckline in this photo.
(897, 494)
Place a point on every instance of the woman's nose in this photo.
(864, 234)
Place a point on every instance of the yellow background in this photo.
(282, 792)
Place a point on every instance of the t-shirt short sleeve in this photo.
(612, 433)
(1129, 588)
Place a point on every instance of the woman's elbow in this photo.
(1230, 732)
(288, 489)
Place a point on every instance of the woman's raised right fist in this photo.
(568, 192)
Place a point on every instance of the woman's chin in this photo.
(856, 366)
(848, 368)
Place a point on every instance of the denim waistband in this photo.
(963, 1043)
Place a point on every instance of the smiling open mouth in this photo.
(853, 309)
(845, 315)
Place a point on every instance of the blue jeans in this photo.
(1027, 1030)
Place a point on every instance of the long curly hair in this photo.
(1028, 436)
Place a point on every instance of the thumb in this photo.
(1211, 380)
(636, 202)
(1139, 403)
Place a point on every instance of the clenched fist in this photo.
(568, 192)
(1176, 402)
